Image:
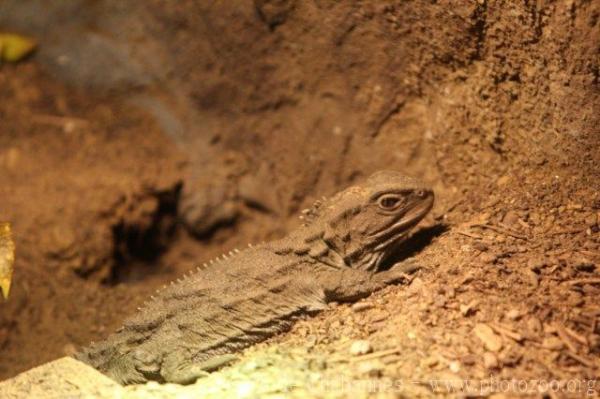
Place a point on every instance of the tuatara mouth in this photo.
(400, 230)
(417, 212)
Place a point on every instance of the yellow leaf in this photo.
(7, 258)
(15, 47)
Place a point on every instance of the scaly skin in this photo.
(195, 325)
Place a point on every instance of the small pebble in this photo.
(513, 314)
(502, 181)
(489, 258)
(511, 218)
(378, 317)
(468, 360)
(250, 366)
(430, 361)
(440, 301)
(490, 339)
(416, 286)
(371, 369)
(591, 220)
(467, 279)
(490, 361)
(536, 264)
(360, 347)
(532, 277)
(552, 343)
(360, 306)
(478, 245)
(469, 308)
(454, 366)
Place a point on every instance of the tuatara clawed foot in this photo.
(400, 272)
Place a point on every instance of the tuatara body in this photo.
(195, 325)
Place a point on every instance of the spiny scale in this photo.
(198, 269)
(308, 215)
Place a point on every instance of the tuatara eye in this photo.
(389, 202)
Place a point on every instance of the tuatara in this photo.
(195, 325)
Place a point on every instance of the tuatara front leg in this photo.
(352, 284)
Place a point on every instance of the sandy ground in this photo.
(206, 127)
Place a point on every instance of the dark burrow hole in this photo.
(415, 244)
(139, 243)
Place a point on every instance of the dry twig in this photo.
(582, 281)
(500, 230)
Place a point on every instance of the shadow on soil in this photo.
(415, 244)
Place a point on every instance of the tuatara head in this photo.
(365, 223)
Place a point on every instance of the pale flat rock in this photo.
(272, 372)
(61, 378)
(71, 379)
